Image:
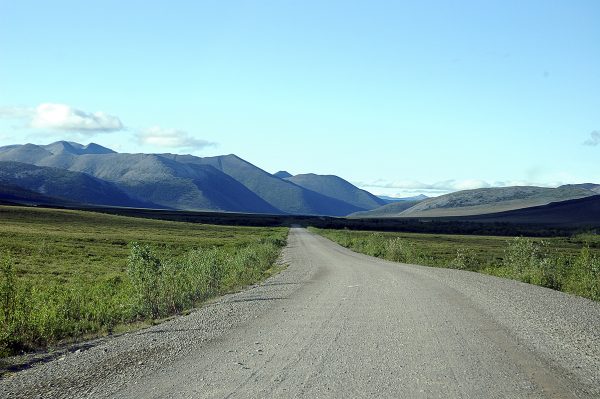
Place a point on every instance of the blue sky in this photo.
(397, 97)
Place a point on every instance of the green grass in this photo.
(67, 274)
(570, 264)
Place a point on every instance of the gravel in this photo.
(339, 324)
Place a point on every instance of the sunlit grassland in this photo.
(71, 273)
(61, 245)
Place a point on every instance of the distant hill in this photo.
(157, 179)
(336, 187)
(76, 148)
(92, 174)
(492, 200)
(280, 193)
(15, 195)
(282, 174)
(53, 184)
(223, 183)
(582, 212)
(587, 186)
(419, 197)
(389, 210)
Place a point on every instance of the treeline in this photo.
(430, 226)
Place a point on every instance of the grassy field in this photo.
(566, 264)
(66, 274)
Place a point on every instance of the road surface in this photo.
(336, 324)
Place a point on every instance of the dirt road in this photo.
(340, 324)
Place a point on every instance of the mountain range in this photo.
(97, 175)
(70, 173)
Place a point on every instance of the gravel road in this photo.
(340, 324)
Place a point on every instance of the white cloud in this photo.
(64, 118)
(594, 139)
(411, 187)
(442, 186)
(470, 184)
(171, 138)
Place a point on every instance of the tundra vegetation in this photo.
(71, 274)
(568, 264)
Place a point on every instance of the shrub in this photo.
(374, 245)
(399, 250)
(7, 300)
(36, 315)
(144, 271)
(7, 290)
(526, 259)
(552, 272)
(395, 250)
(465, 259)
(584, 275)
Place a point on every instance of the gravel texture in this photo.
(340, 324)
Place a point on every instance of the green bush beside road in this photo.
(566, 264)
(69, 274)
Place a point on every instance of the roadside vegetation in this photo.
(70, 274)
(565, 264)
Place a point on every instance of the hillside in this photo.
(282, 174)
(492, 200)
(60, 184)
(164, 181)
(419, 197)
(389, 210)
(224, 183)
(336, 187)
(93, 174)
(588, 186)
(76, 148)
(282, 194)
(13, 195)
(582, 211)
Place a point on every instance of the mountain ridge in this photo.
(492, 200)
(65, 185)
(221, 183)
(336, 187)
(232, 184)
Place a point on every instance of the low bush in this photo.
(583, 277)
(571, 266)
(153, 286)
(465, 259)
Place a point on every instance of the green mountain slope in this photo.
(65, 185)
(336, 187)
(581, 211)
(389, 210)
(11, 194)
(226, 183)
(146, 177)
(491, 200)
(280, 193)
